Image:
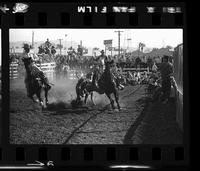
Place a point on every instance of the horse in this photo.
(84, 88)
(103, 85)
(34, 85)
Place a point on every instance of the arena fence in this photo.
(178, 75)
(135, 69)
(75, 74)
(125, 70)
(47, 68)
(14, 70)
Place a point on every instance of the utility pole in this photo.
(60, 45)
(111, 50)
(32, 39)
(119, 34)
(139, 49)
(66, 44)
(128, 40)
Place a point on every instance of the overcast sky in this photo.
(94, 37)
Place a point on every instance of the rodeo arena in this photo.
(127, 97)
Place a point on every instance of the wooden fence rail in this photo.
(13, 70)
(47, 68)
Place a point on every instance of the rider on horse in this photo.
(101, 60)
(115, 74)
(36, 72)
(47, 47)
(100, 68)
(47, 44)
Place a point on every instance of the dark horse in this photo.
(105, 84)
(34, 85)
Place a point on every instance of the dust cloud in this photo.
(62, 92)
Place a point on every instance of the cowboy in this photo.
(101, 60)
(97, 68)
(47, 47)
(47, 44)
(95, 73)
(35, 70)
(116, 74)
(53, 50)
(154, 67)
(166, 71)
(113, 70)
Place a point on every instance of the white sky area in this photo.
(156, 38)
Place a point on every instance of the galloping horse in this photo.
(34, 85)
(105, 84)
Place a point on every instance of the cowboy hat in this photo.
(166, 57)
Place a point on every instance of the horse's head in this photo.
(109, 64)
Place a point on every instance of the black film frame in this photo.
(92, 156)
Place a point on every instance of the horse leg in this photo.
(40, 99)
(29, 93)
(31, 97)
(86, 96)
(116, 94)
(46, 96)
(78, 99)
(91, 95)
(111, 100)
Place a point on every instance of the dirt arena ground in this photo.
(61, 124)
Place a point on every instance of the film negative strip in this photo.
(126, 57)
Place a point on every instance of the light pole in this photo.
(66, 44)
(111, 49)
(119, 34)
(128, 42)
(60, 45)
(32, 39)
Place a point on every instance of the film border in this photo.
(65, 18)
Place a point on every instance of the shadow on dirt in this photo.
(62, 108)
(141, 105)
